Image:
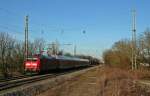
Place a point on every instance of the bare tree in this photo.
(38, 44)
(119, 55)
(18, 56)
(6, 46)
(144, 46)
(12, 53)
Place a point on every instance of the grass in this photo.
(119, 82)
(105, 81)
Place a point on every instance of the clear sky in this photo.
(103, 21)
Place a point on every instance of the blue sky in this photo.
(105, 21)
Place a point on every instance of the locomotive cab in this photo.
(32, 65)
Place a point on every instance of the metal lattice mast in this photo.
(134, 50)
(26, 37)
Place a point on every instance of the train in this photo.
(38, 64)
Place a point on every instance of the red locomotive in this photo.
(46, 63)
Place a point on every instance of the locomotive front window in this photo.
(32, 59)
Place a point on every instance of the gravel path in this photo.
(85, 85)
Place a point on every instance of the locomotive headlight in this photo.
(28, 64)
(34, 64)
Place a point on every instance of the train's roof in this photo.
(70, 58)
(59, 58)
(65, 58)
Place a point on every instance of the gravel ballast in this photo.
(36, 88)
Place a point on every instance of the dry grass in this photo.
(103, 82)
(119, 82)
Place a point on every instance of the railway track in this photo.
(18, 82)
(13, 78)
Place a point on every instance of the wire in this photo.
(10, 12)
(10, 29)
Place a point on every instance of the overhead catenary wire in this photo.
(13, 30)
